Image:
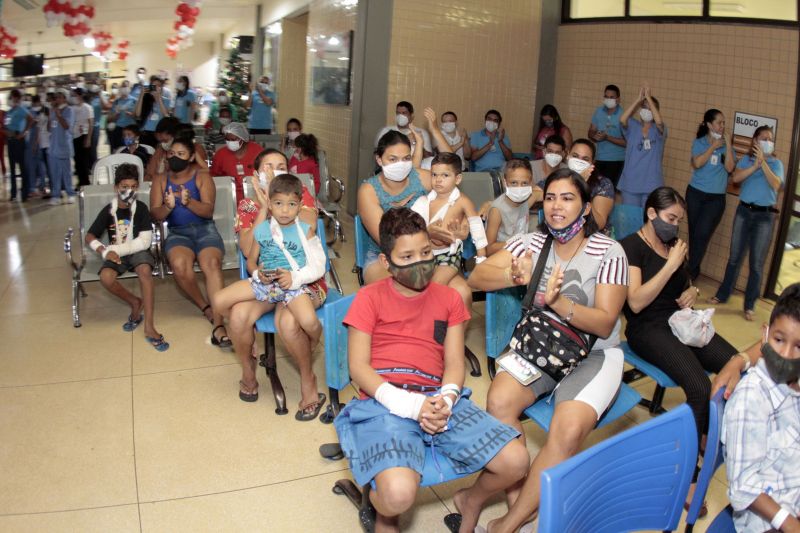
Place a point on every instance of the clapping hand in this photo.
(186, 195)
(677, 254)
(430, 114)
(553, 289)
(521, 268)
(169, 198)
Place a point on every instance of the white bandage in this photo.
(450, 393)
(400, 402)
(779, 518)
(139, 244)
(95, 244)
(478, 232)
(480, 259)
(314, 268)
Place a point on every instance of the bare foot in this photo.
(209, 313)
(749, 315)
(309, 392)
(714, 300)
(469, 514)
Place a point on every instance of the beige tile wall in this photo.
(330, 123)
(691, 67)
(467, 57)
(292, 70)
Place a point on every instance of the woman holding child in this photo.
(581, 289)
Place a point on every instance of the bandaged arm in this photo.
(478, 232)
(314, 268)
(400, 402)
(139, 244)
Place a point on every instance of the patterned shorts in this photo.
(450, 260)
(273, 293)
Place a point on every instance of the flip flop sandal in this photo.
(158, 343)
(203, 310)
(703, 509)
(132, 324)
(247, 396)
(453, 522)
(311, 411)
(222, 342)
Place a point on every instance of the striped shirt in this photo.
(601, 262)
(761, 434)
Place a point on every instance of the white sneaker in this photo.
(70, 199)
(54, 201)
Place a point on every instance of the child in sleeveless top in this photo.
(509, 213)
(448, 208)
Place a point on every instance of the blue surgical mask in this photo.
(129, 141)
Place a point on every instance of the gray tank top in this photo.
(513, 220)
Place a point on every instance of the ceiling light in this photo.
(275, 28)
(334, 41)
(88, 42)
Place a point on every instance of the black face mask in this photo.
(176, 164)
(665, 231)
(780, 370)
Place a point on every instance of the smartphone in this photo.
(269, 273)
(151, 88)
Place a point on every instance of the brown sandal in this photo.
(311, 410)
(246, 396)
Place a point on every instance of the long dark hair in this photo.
(148, 102)
(594, 177)
(264, 153)
(662, 198)
(390, 138)
(590, 227)
(758, 132)
(307, 144)
(550, 110)
(709, 116)
(185, 80)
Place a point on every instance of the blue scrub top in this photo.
(494, 158)
(17, 119)
(97, 107)
(756, 189)
(260, 113)
(609, 123)
(61, 138)
(711, 178)
(642, 172)
(155, 114)
(121, 105)
(183, 106)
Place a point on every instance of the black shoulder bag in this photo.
(555, 348)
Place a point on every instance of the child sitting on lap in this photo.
(448, 208)
(761, 430)
(130, 233)
(286, 261)
(406, 352)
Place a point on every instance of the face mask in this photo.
(714, 134)
(490, 125)
(124, 91)
(577, 165)
(115, 91)
(224, 121)
(293, 135)
(73, 100)
(401, 120)
(553, 160)
(166, 146)
(80, 85)
(26, 103)
(665, 231)
(564, 235)
(176, 164)
(233, 146)
(548, 123)
(263, 86)
(180, 86)
(127, 195)
(767, 147)
(223, 99)
(779, 369)
(397, 171)
(610, 103)
(129, 141)
(448, 127)
(37, 108)
(646, 115)
(94, 88)
(140, 76)
(519, 194)
(415, 276)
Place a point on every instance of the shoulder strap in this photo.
(537, 272)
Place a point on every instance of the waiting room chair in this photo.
(329, 198)
(626, 220)
(147, 148)
(723, 522)
(268, 141)
(104, 168)
(326, 314)
(636, 480)
(86, 265)
(503, 311)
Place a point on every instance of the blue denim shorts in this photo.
(196, 237)
(373, 439)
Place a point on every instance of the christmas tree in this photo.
(236, 77)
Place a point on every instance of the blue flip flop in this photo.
(158, 343)
(132, 324)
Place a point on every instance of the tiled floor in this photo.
(99, 432)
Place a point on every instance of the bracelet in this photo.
(571, 313)
(779, 518)
(747, 363)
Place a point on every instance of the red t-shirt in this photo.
(227, 164)
(407, 332)
(306, 166)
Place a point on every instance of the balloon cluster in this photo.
(122, 50)
(73, 15)
(7, 41)
(102, 42)
(187, 12)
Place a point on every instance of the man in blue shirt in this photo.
(18, 122)
(260, 105)
(491, 147)
(606, 131)
(61, 148)
(121, 114)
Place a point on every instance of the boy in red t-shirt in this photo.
(406, 353)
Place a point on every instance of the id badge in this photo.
(240, 169)
(714, 159)
(646, 144)
(153, 117)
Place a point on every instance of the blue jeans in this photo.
(17, 149)
(705, 211)
(751, 229)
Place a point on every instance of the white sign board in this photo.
(745, 124)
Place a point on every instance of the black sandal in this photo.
(222, 342)
(203, 310)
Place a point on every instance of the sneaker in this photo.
(54, 201)
(70, 199)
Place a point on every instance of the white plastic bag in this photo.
(693, 327)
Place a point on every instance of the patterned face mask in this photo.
(415, 276)
(566, 234)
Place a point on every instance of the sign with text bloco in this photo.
(744, 125)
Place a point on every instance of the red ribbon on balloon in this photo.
(73, 15)
(7, 41)
(187, 12)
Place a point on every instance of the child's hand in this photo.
(432, 418)
(169, 198)
(284, 278)
(483, 212)
(113, 257)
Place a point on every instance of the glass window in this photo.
(584, 9)
(755, 9)
(666, 8)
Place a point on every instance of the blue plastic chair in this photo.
(663, 381)
(712, 458)
(266, 325)
(625, 220)
(503, 311)
(723, 522)
(633, 481)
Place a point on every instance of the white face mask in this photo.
(263, 86)
(293, 135)
(767, 147)
(94, 88)
(224, 121)
(553, 159)
(490, 125)
(124, 91)
(714, 134)
(180, 86)
(166, 146)
(519, 194)
(401, 120)
(233, 146)
(577, 165)
(610, 103)
(140, 76)
(262, 179)
(448, 127)
(223, 99)
(397, 171)
(646, 115)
